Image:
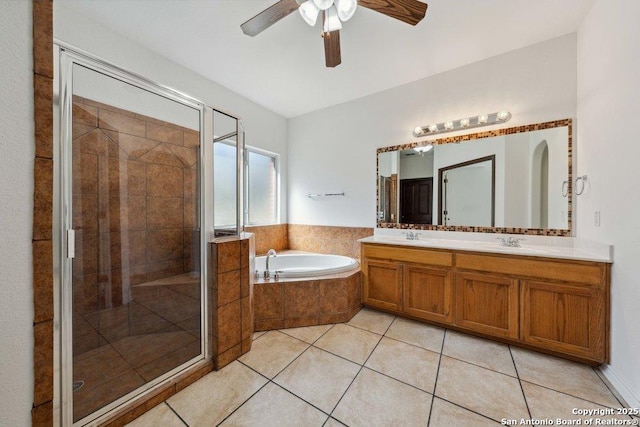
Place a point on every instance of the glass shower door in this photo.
(136, 290)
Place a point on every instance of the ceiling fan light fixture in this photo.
(346, 9)
(309, 12)
(331, 20)
(323, 4)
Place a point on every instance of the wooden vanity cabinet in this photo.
(405, 280)
(384, 284)
(558, 306)
(565, 317)
(487, 303)
(427, 293)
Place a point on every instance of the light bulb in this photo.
(423, 148)
(448, 125)
(483, 118)
(417, 131)
(346, 9)
(503, 115)
(309, 12)
(323, 4)
(331, 20)
(464, 122)
(433, 128)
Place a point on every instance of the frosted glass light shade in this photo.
(331, 20)
(309, 12)
(346, 9)
(323, 4)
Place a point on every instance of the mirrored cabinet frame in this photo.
(480, 136)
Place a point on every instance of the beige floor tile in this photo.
(376, 400)
(273, 352)
(309, 334)
(372, 320)
(562, 375)
(546, 403)
(479, 351)
(333, 423)
(273, 406)
(445, 414)
(161, 415)
(216, 395)
(417, 333)
(257, 335)
(318, 377)
(407, 363)
(351, 343)
(484, 391)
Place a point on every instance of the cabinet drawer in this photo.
(420, 256)
(588, 274)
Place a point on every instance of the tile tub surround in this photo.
(269, 237)
(231, 298)
(388, 381)
(292, 303)
(309, 238)
(327, 240)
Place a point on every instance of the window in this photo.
(262, 187)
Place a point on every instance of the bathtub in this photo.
(289, 265)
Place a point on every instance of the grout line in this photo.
(359, 370)
(526, 402)
(243, 403)
(609, 386)
(465, 408)
(176, 413)
(435, 386)
(568, 394)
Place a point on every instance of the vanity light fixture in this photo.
(501, 116)
(423, 148)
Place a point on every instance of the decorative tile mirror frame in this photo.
(478, 136)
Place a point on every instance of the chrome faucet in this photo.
(271, 253)
(510, 242)
(412, 235)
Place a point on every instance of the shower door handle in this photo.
(71, 244)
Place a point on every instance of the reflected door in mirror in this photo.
(416, 201)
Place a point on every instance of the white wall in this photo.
(335, 149)
(16, 213)
(608, 152)
(264, 129)
(416, 166)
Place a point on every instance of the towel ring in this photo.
(580, 188)
(565, 188)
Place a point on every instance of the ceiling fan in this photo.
(333, 13)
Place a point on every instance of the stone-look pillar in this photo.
(231, 298)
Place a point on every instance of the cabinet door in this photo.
(428, 293)
(488, 304)
(382, 284)
(565, 317)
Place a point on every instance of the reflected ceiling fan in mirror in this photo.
(334, 12)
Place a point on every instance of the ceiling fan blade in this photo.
(409, 11)
(269, 16)
(332, 48)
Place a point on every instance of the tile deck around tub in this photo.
(382, 370)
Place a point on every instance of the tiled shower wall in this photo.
(134, 202)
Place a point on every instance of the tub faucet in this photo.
(271, 253)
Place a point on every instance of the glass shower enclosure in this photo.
(134, 206)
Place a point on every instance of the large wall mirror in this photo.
(515, 180)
